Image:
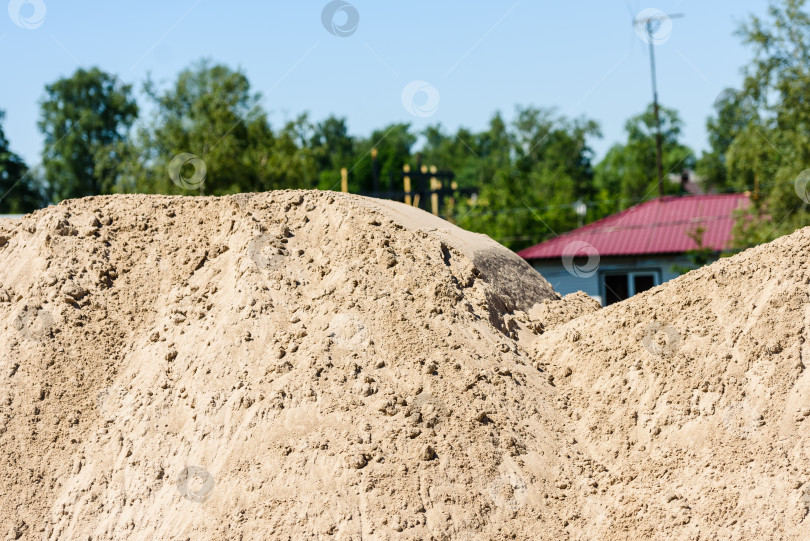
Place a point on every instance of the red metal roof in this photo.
(660, 226)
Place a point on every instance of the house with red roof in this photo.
(616, 257)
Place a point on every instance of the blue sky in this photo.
(581, 57)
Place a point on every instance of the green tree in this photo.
(290, 161)
(460, 153)
(532, 170)
(393, 143)
(20, 190)
(84, 118)
(628, 173)
(474, 158)
(332, 149)
(768, 155)
(211, 121)
(733, 112)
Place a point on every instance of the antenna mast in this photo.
(651, 25)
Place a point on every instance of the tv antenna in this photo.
(650, 24)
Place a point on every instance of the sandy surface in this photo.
(311, 365)
(696, 396)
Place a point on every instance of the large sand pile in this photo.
(697, 396)
(301, 365)
(288, 365)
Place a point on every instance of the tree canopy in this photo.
(628, 173)
(760, 135)
(529, 173)
(20, 189)
(208, 112)
(85, 118)
(522, 178)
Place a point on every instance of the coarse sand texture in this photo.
(311, 365)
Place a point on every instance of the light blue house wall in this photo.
(664, 267)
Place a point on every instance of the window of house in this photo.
(618, 286)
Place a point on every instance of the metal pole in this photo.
(650, 30)
(659, 159)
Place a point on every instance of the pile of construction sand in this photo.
(310, 365)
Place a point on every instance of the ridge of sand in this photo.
(273, 366)
(311, 365)
(697, 395)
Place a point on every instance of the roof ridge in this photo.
(672, 211)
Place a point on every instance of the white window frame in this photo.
(630, 274)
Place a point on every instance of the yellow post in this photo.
(344, 180)
(451, 201)
(407, 169)
(434, 185)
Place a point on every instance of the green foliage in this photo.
(526, 174)
(700, 256)
(629, 173)
(332, 148)
(393, 143)
(474, 158)
(20, 190)
(456, 153)
(211, 113)
(85, 118)
(761, 136)
(529, 172)
(733, 110)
